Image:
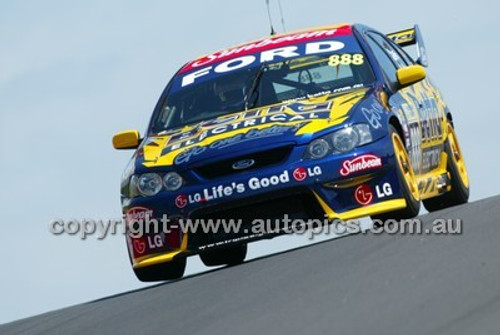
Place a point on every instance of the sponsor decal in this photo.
(181, 201)
(300, 174)
(337, 90)
(138, 213)
(423, 121)
(360, 163)
(383, 191)
(363, 194)
(424, 185)
(431, 158)
(279, 116)
(253, 184)
(429, 184)
(413, 140)
(148, 244)
(252, 134)
(373, 115)
(256, 183)
(139, 246)
(308, 96)
(348, 88)
(155, 241)
(267, 56)
(430, 117)
(403, 37)
(268, 43)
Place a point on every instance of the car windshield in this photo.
(265, 84)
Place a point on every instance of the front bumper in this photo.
(297, 187)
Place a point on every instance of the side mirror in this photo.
(410, 75)
(127, 139)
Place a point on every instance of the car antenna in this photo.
(273, 32)
(282, 17)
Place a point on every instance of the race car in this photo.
(336, 122)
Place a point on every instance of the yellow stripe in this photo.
(379, 208)
(156, 259)
(160, 258)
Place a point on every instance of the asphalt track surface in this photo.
(361, 284)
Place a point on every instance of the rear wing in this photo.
(409, 37)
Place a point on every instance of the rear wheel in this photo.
(459, 193)
(163, 271)
(225, 256)
(407, 180)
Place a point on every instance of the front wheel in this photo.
(459, 193)
(407, 180)
(163, 271)
(225, 256)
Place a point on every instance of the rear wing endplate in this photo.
(409, 37)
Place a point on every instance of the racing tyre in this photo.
(459, 193)
(407, 180)
(225, 256)
(164, 271)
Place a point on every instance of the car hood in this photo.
(249, 131)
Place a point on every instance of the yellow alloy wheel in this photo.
(457, 156)
(405, 166)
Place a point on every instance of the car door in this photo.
(432, 116)
(415, 105)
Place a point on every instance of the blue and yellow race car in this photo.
(336, 122)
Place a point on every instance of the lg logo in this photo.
(364, 194)
(181, 201)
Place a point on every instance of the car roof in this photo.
(270, 42)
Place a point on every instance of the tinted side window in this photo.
(388, 67)
(407, 59)
(403, 53)
(389, 49)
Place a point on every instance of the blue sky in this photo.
(73, 73)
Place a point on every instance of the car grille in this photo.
(297, 204)
(261, 159)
